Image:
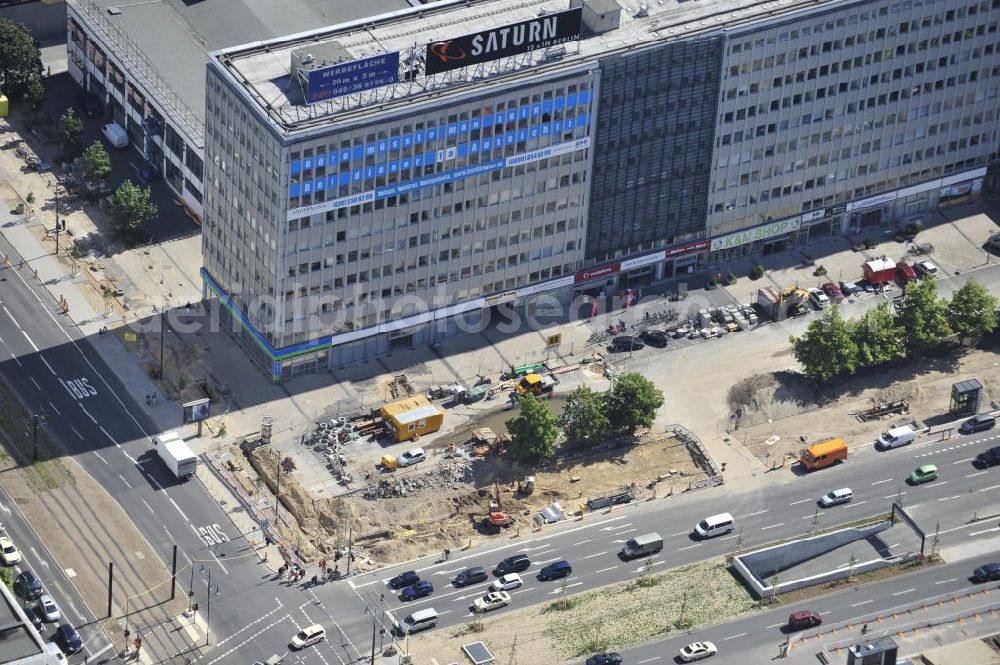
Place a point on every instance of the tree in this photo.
(921, 317)
(20, 60)
(96, 163)
(7, 577)
(34, 91)
(877, 337)
(632, 403)
(972, 311)
(534, 431)
(131, 211)
(827, 348)
(69, 131)
(583, 419)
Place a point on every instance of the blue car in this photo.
(418, 590)
(404, 579)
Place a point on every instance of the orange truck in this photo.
(824, 454)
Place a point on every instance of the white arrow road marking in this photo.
(5, 508)
(568, 586)
(643, 569)
(77, 612)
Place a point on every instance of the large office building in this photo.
(386, 181)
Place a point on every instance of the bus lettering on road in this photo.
(79, 388)
(212, 535)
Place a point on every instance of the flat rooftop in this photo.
(166, 44)
(264, 70)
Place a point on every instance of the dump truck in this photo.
(879, 271)
(176, 454)
(536, 384)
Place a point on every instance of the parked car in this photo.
(506, 582)
(47, 608)
(555, 570)
(925, 268)
(35, 616)
(697, 651)
(804, 619)
(517, 563)
(411, 457)
(868, 287)
(55, 652)
(308, 636)
(68, 639)
(832, 291)
(470, 576)
(627, 343)
(421, 589)
(979, 423)
(605, 658)
(9, 554)
(923, 474)
(904, 274)
(654, 337)
(850, 288)
(988, 458)
(491, 601)
(836, 497)
(988, 573)
(818, 299)
(28, 586)
(404, 579)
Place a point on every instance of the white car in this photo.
(818, 298)
(925, 268)
(492, 601)
(836, 497)
(56, 652)
(411, 457)
(308, 636)
(48, 609)
(506, 582)
(697, 651)
(9, 553)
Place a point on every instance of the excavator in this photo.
(497, 518)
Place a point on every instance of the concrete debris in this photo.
(445, 476)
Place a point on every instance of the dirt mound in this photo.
(771, 396)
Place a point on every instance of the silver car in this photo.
(836, 497)
(48, 609)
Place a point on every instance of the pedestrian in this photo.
(147, 399)
(382, 599)
(864, 629)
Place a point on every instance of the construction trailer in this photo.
(411, 418)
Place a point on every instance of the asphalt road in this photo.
(783, 508)
(757, 638)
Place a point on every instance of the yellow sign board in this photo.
(553, 341)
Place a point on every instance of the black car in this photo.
(979, 423)
(987, 458)
(68, 639)
(404, 579)
(34, 616)
(555, 570)
(470, 576)
(988, 573)
(658, 338)
(513, 564)
(28, 586)
(627, 343)
(612, 658)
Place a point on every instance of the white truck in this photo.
(176, 454)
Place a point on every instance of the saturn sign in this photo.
(537, 33)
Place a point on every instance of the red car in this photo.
(804, 619)
(905, 274)
(833, 292)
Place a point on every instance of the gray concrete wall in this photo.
(766, 563)
(47, 23)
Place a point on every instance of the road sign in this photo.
(553, 341)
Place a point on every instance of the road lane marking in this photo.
(149, 506)
(582, 542)
(92, 418)
(879, 482)
(604, 570)
(893, 496)
(14, 358)
(773, 526)
(648, 660)
(962, 461)
(568, 586)
(591, 556)
(863, 602)
(679, 533)
(616, 526)
(949, 498)
(40, 559)
(978, 533)
(55, 409)
(987, 489)
(94, 655)
(977, 473)
(46, 363)
(76, 432)
(900, 593)
(795, 503)
(125, 481)
(7, 312)
(168, 533)
(39, 387)
(759, 512)
(775, 625)
(688, 547)
(733, 637)
(953, 579)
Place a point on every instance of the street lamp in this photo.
(208, 604)
(55, 188)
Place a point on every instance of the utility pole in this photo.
(57, 218)
(111, 584)
(34, 437)
(163, 334)
(350, 549)
(277, 491)
(374, 628)
(173, 574)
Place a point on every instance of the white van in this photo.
(716, 525)
(115, 134)
(896, 437)
(419, 620)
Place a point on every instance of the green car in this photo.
(923, 474)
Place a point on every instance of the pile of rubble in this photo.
(445, 476)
